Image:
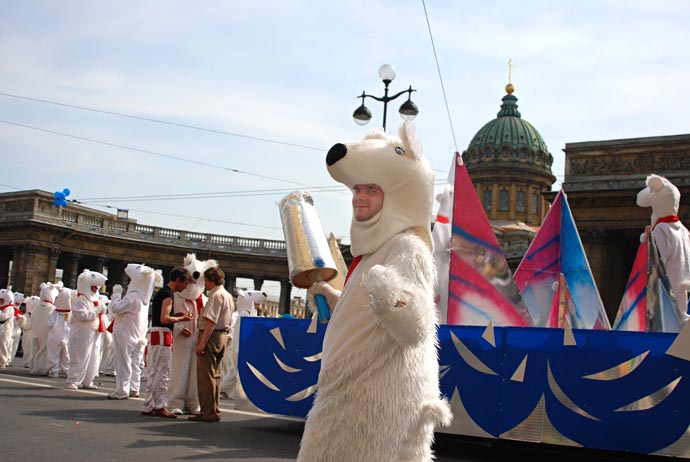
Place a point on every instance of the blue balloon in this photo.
(66, 191)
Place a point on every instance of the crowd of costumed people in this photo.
(78, 334)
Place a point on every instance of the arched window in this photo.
(487, 200)
(503, 202)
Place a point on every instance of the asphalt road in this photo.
(41, 421)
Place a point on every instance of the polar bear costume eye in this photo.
(400, 151)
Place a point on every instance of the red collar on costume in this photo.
(5, 306)
(47, 301)
(666, 219)
(95, 302)
(442, 219)
(354, 264)
(60, 310)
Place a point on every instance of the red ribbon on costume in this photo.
(354, 264)
(442, 219)
(62, 311)
(47, 301)
(5, 306)
(199, 305)
(110, 326)
(666, 219)
(17, 312)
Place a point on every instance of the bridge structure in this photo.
(41, 242)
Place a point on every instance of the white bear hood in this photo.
(48, 292)
(142, 280)
(63, 301)
(399, 168)
(6, 297)
(661, 195)
(196, 268)
(89, 278)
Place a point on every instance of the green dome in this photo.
(509, 142)
(508, 129)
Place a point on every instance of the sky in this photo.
(202, 116)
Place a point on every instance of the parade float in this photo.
(527, 357)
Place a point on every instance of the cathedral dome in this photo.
(509, 141)
(510, 166)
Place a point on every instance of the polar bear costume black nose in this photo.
(336, 153)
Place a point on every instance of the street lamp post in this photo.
(408, 110)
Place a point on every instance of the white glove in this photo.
(117, 291)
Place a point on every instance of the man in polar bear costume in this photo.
(131, 314)
(6, 326)
(378, 396)
(182, 390)
(670, 235)
(39, 327)
(27, 336)
(58, 334)
(17, 324)
(247, 302)
(86, 325)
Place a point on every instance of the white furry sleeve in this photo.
(402, 291)
(131, 302)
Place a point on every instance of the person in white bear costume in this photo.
(86, 325)
(27, 337)
(6, 326)
(39, 327)
(378, 396)
(247, 301)
(670, 235)
(58, 334)
(17, 324)
(130, 326)
(182, 390)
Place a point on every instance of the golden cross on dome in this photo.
(510, 71)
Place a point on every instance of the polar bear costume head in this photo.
(246, 300)
(49, 292)
(63, 301)
(196, 268)
(661, 195)
(6, 298)
(18, 298)
(398, 166)
(142, 280)
(89, 278)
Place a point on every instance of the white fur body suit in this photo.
(378, 396)
(39, 328)
(130, 326)
(18, 322)
(182, 390)
(84, 335)
(6, 326)
(27, 336)
(672, 238)
(58, 334)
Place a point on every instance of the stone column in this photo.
(285, 296)
(230, 282)
(4, 271)
(53, 256)
(258, 282)
(73, 271)
(116, 274)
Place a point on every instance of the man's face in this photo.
(182, 285)
(367, 201)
